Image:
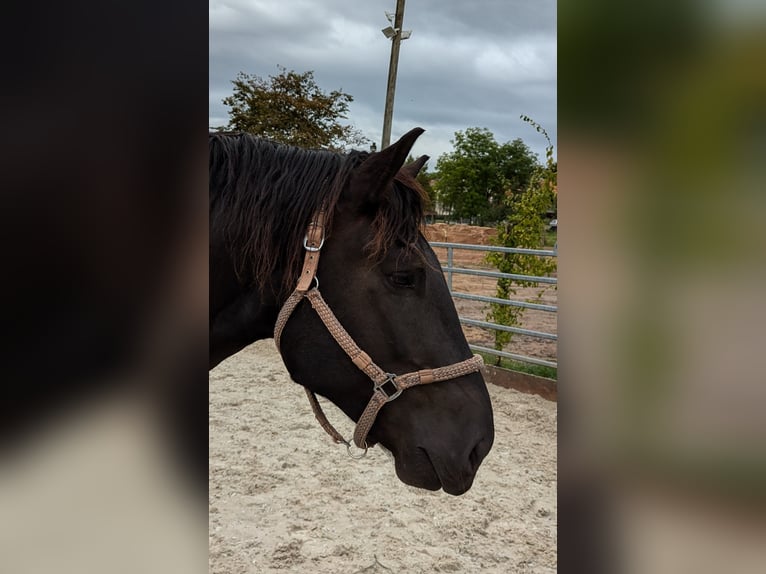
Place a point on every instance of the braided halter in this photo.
(386, 386)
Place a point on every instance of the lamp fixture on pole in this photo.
(396, 35)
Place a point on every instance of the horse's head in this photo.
(380, 277)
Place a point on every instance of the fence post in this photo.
(449, 265)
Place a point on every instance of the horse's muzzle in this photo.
(434, 468)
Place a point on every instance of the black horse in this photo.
(273, 210)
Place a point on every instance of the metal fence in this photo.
(450, 270)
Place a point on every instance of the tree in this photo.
(290, 108)
(474, 180)
(525, 228)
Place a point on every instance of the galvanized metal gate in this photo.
(450, 270)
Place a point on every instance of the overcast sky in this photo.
(467, 64)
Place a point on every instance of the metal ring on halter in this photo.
(356, 456)
(316, 285)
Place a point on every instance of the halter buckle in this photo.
(390, 378)
(312, 249)
(315, 225)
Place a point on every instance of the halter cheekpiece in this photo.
(386, 386)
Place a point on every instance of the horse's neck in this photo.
(242, 321)
(239, 315)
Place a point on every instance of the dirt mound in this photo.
(460, 233)
(465, 234)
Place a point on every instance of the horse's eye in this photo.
(403, 279)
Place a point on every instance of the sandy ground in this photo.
(284, 498)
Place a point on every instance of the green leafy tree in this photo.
(290, 108)
(524, 228)
(473, 180)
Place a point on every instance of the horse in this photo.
(369, 325)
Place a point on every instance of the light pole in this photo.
(396, 35)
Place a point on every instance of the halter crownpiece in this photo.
(386, 386)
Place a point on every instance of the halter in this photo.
(386, 386)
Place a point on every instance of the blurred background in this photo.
(103, 416)
(662, 118)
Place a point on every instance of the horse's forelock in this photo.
(399, 219)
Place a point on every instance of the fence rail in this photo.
(450, 270)
(509, 302)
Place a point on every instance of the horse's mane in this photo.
(263, 195)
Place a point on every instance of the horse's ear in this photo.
(413, 169)
(372, 179)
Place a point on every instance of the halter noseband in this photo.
(387, 386)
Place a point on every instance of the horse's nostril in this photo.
(474, 458)
(477, 454)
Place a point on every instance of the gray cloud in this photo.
(466, 64)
